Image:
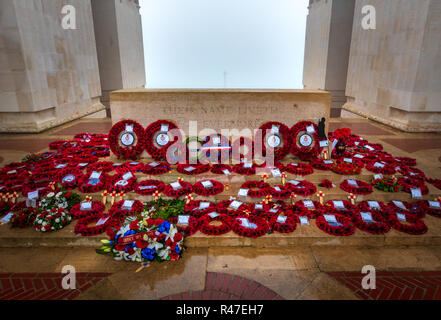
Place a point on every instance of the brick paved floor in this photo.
(223, 286)
(395, 285)
(44, 286)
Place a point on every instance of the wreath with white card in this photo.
(155, 168)
(149, 187)
(92, 226)
(186, 224)
(127, 139)
(215, 224)
(250, 226)
(356, 186)
(432, 208)
(305, 140)
(158, 137)
(199, 208)
(87, 209)
(208, 188)
(93, 182)
(193, 169)
(371, 221)
(276, 137)
(299, 169)
(178, 189)
(283, 223)
(69, 178)
(336, 225)
(121, 182)
(407, 223)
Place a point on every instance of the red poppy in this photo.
(174, 256)
(177, 237)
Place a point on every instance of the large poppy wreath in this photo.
(215, 224)
(69, 178)
(283, 223)
(277, 137)
(208, 187)
(250, 226)
(345, 226)
(305, 140)
(176, 191)
(322, 164)
(127, 139)
(121, 182)
(371, 221)
(84, 227)
(356, 187)
(199, 208)
(303, 188)
(189, 229)
(84, 209)
(149, 187)
(158, 137)
(256, 189)
(280, 191)
(412, 225)
(93, 182)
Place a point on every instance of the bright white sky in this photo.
(191, 43)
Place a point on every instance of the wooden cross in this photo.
(112, 200)
(52, 185)
(143, 265)
(325, 154)
(264, 177)
(121, 196)
(180, 179)
(104, 195)
(14, 196)
(88, 198)
(352, 197)
(189, 197)
(227, 187)
(321, 195)
(284, 175)
(268, 199)
(292, 196)
(157, 194)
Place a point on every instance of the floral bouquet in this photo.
(52, 220)
(387, 184)
(63, 199)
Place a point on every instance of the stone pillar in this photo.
(48, 75)
(394, 74)
(327, 45)
(118, 33)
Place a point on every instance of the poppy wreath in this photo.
(198, 168)
(325, 183)
(346, 229)
(161, 168)
(85, 186)
(136, 139)
(219, 168)
(83, 226)
(433, 211)
(387, 184)
(69, 178)
(408, 162)
(113, 227)
(263, 188)
(302, 151)
(242, 142)
(288, 226)
(240, 169)
(345, 168)
(156, 150)
(217, 187)
(300, 169)
(415, 209)
(149, 187)
(206, 226)
(322, 164)
(52, 220)
(388, 169)
(284, 192)
(117, 183)
(413, 173)
(348, 211)
(261, 230)
(380, 226)
(416, 226)
(23, 216)
(303, 188)
(101, 151)
(190, 229)
(223, 147)
(301, 209)
(435, 182)
(117, 211)
(102, 166)
(296, 211)
(262, 212)
(363, 187)
(186, 188)
(131, 166)
(410, 183)
(96, 210)
(193, 208)
(55, 145)
(364, 206)
(283, 136)
(224, 208)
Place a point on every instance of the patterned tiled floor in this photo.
(44, 286)
(395, 285)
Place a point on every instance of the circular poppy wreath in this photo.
(410, 183)
(303, 188)
(149, 187)
(284, 192)
(416, 226)
(131, 166)
(242, 142)
(118, 184)
(303, 210)
(82, 227)
(435, 182)
(219, 168)
(408, 162)
(117, 211)
(223, 147)
(160, 168)
(127, 143)
(186, 188)
(388, 169)
(85, 187)
(206, 226)
(263, 188)
(363, 187)
(349, 208)
(345, 168)
(380, 226)
(157, 140)
(304, 144)
(69, 177)
(103, 166)
(346, 229)
(193, 208)
(364, 206)
(297, 211)
(261, 230)
(322, 164)
(279, 141)
(434, 212)
(190, 229)
(197, 168)
(224, 208)
(299, 169)
(414, 209)
(262, 211)
(217, 187)
(283, 227)
(240, 169)
(96, 210)
(413, 173)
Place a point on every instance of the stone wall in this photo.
(395, 71)
(48, 75)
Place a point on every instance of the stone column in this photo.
(328, 39)
(48, 75)
(394, 73)
(118, 33)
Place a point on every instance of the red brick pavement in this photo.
(44, 286)
(223, 286)
(395, 285)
